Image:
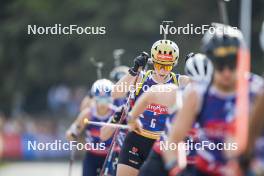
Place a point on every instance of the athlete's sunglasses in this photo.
(161, 66)
(221, 63)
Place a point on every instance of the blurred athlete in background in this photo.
(213, 105)
(100, 111)
(115, 75)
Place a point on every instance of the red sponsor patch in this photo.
(167, 57)
(159, 109)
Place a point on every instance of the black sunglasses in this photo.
(228, 62)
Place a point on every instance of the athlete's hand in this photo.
(135, 125)
(70, 136)
(139, 61)
(117, 116)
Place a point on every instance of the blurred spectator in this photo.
(58, 98)
(77, 95)
(63, 100)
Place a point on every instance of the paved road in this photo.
(39, 169)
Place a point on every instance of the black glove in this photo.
(74, 136)
(117, 116)
(139, 61)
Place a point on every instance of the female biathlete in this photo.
(199, 69)
(100, 111)
(138, 143)
(213, 107)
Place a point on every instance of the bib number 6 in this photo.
(153, 123)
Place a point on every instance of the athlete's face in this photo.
(225, 78)
(102, 103)
(162, 71)
(225, 72)
(102, 108)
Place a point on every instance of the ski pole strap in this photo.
(142, 81)
(175, 78)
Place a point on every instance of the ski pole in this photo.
(86, 121)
